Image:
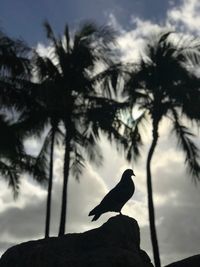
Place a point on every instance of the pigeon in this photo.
(117, 197)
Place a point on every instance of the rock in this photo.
(115, 243)
(193, 261)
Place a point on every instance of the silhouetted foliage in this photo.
(14, 74)
(72, 100)
(163, 84)
(14, 71)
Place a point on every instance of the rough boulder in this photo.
(193, 261)
(115, 243)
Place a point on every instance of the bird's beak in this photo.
(133, 174)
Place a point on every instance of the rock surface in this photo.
(115, 243)
(193, 261)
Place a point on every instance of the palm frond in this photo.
(67, 38)
(110, 79)
(34, 166)
(85, 32)
(11, 175)
(87, 142)
(38, 166)
(132, 132)
(11, 142)
(192, 154)
(13, 57)
(44, 68)
(78, 163)
(188, 49)
(32, 122)
(49, 32)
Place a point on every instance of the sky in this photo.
(175, 195)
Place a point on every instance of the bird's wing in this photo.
(114, 197)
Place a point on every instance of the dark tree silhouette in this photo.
(163, 85)
(14, 71)
(69, 90)
(43, 117)
(10, 149)
(14, 74)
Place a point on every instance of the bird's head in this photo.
(128, 173)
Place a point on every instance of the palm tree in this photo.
(163, 85)
(42, 117)
(70, 83)
(14, 74)
(37, 128)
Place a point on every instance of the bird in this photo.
(117, 197)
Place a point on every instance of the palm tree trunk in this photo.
(48, 210)
(65, 184)
(150, 198)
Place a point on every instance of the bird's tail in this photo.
(96, 217)
(96, 213)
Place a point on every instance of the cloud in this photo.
(186, 16)
(132, 42)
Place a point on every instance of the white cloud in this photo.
(44, 50)
(132, 42)
(186, 16)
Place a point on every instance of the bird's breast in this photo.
(128, 188)
(131, 188)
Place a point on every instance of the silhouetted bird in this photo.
(117, 197)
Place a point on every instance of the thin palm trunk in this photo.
(150, 198)
(48, 210)
(65, 184)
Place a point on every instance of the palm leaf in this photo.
(11, 175)
(77, 163)
(132, 132)
(192, 155)
(67, 39)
